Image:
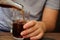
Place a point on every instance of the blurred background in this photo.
(57, 29)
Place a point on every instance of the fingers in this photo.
(39, 36)
(33, 33)
(29, 24)
(34, 39)
(30, 30)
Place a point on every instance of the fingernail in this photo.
(24, 37)
(21, 33)
(24, 27)
(31, 38)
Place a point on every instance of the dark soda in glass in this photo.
(17, 29)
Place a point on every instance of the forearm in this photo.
(49, 18)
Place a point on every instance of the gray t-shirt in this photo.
(33, 6)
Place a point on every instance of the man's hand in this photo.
(33, 29)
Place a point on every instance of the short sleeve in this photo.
(54, 4)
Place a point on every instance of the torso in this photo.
(34, 6)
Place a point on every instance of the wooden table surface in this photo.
(8, 36)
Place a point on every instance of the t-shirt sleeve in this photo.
(54, 4)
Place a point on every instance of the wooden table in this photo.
(8, 36)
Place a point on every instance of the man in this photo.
(33, 29)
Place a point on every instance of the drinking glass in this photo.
(18, 21)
